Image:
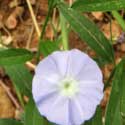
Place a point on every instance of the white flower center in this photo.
(68, 87)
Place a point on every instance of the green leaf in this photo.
(9, 122)
(14, 56)
(115, 108)
(122, 97)
(100, 61)
(32, 116)
(97, 119)
(88, 32)
(117, 116)
(47, 47)
(21, 78)
(98, 5)
(51, 4)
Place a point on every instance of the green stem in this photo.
(43, 29)
(64, 32)
(120, 20)
(111, 30)
(19, 96)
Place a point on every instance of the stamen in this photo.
(68, 87)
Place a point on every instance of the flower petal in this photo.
(46, 67)
(61, 60)
(90, 71)
(65, 109)
(45, 105)
(88, 84)
(67, 62)
(58, 113)
(87, 106)
(92, 91)
(77, 60)
(41, 88)
(76, 114)
(92, 94)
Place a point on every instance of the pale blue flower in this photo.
(67, 87)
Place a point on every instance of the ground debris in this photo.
(7, 110)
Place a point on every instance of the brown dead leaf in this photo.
(7, 109)
(115, 28)
(98, 15)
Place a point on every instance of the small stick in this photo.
(33, 18)
(70, 2)
(6, 30)
(32, 29)
(33, 2)
(30, 37)
(3, 27)
(54, 15)
(30, 65)
(10, 95)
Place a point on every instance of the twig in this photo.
(30, 65)
(6, 30)
(54, 15)
(54, 23)
(30, 37)
(33, 18)
(10, 95)
(70, 2)
(32, 29)
(30, 23)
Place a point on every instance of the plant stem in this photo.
(10, 95)
(64, 32)
(33, 18)
(111, 30)
(120, 20)
(43, 29)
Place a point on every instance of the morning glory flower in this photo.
(67, 87)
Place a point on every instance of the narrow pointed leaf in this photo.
(32, 116)
(47, 47)
(122, 98)
(98, 5)
(88, 32)
(117, 116)
(115, 109)
(21, 78)
(14, 56)
(10, 122)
